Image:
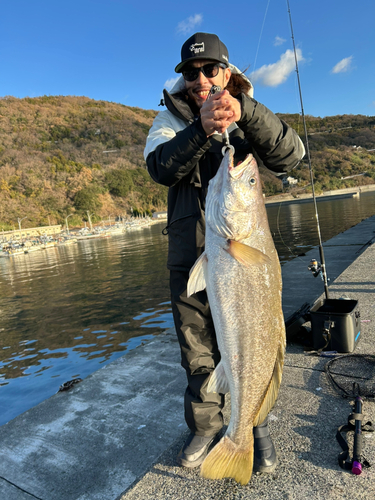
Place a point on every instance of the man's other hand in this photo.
(219, 111)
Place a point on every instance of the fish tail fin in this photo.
(273, 387)
(229, 460)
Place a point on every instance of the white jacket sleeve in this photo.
(164, 128)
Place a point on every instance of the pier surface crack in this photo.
(21, 489)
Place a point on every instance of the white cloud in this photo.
(278, 41)
(343, 66)
(272, 75)
(171, 82)
(188, 25)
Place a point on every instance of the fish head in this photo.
(242, 186)
(234, 197)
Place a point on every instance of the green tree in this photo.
(88, 199)
(119, 182)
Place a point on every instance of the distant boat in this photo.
(48, 244)
(11, 251)
(33, 248)
(88, 236)
(66, 241)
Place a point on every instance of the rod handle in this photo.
(357, 446)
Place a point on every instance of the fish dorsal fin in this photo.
(273, 388)
(197, 280)
(248, 256)
(218, 381)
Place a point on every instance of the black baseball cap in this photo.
(203, 46)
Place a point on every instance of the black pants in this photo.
(199, 356)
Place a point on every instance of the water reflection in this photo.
(294, 225)
(67, 311)
(295, 217)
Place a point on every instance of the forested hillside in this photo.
(340, 146)
(69, 155)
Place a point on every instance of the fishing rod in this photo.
(321, 252)
(358, 462)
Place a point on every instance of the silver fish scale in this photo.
(244, 322)
(245, 301)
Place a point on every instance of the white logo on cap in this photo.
(197, 47)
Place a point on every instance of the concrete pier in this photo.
(116, 434)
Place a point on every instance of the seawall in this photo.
(339, 193)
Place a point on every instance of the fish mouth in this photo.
(237, 171)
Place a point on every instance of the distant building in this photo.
(289, 181)
(19, 234)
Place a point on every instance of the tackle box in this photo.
(340, 318)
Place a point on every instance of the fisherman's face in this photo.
(198, 89)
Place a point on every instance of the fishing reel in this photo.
(316, 268)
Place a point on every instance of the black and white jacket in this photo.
(179, 155)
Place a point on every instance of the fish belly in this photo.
(246, 310)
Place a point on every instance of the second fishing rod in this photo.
(321, 252)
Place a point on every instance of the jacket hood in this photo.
(180, 84)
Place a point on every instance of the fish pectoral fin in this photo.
(248, 256)
(273, 388)
(218, 381)
(197, 280)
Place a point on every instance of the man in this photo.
(183, 152)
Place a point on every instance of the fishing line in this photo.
(296, 256)
(278, 229)
(281, 238)
(260, 36)
(323, 266)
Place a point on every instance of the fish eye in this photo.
(252, 181)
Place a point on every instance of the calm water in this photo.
(66, 312)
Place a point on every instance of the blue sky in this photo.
(125, 51)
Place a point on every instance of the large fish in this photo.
(241, 271)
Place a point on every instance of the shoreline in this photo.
(305, 198)
(32, 239)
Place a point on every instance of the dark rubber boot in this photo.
(265, 459)
(196, 449)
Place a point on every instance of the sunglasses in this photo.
(209, 70)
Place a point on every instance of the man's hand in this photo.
(219, 111)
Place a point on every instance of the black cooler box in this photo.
(341, 318)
